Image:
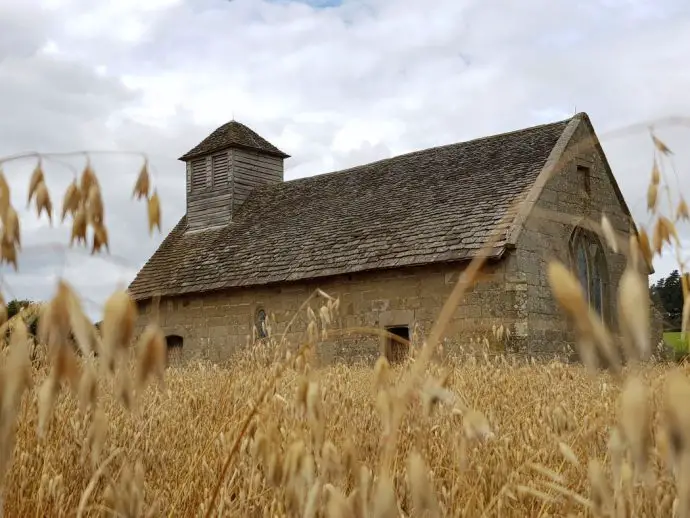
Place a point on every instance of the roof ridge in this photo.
(522, 130)
(426, 150)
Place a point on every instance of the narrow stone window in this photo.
(398, 345)
(584, 174)
(261, 330)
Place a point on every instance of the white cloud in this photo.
(331, 86)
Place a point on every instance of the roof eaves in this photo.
(196, 154)
(495, 253)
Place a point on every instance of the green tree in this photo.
(668, 292)
(14, 306)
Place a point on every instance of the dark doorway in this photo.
(174, 347)
(397, 347)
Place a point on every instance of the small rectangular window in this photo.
(583, 174)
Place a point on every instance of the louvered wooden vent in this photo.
(220, 167)
(198, 174)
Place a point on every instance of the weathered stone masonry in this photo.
(568, 199)
(218, 325)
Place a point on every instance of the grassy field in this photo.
(679, 345)
(675, 340)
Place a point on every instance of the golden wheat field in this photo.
(490, 438)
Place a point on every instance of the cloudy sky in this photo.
(331, 82)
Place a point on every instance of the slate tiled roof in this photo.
(233, 134)
(438, 204)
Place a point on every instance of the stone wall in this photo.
(569, 200)
(215, 326)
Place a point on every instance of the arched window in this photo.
(261, 329)
(597, 283)
(590, 265)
